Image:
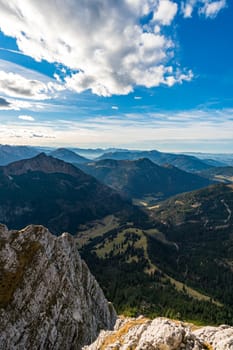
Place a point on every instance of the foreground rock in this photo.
(48, 297)
(221, 338)
(162, 334)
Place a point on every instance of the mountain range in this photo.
(184, 162)
(220, 158)
(45, 190)
(172, 258)
(10, 154)
(190, 163)
(143, 178)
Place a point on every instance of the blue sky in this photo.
(142, 74)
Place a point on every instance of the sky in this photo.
(139, 74)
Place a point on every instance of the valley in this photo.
(186, 254)
(167, 255)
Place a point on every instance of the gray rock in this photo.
(221, 338)
(162, 334)
(48, 297)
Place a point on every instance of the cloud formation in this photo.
(110, 46)
(15, 85)
(26, 117)
(211, 9)
(166, 12)
(207, 8)
(214, 126)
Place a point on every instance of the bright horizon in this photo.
(136, 74)
(116, 148)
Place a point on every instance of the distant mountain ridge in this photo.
(184, 162)
(93, 153)
(45, 190)
(142, 177)
(189, 162)
(10, 154)
(222, 158)
(68, 156)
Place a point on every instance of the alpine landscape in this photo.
(116, 175)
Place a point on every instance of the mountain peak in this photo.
(40, 162)
(145, 162)
(71, 196)
(142, 177)
(41, 155)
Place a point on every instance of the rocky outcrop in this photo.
(162, 334)
(220, 338)
(48, 297)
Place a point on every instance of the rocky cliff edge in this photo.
(48, 297)
(162, 334)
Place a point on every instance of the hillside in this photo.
(143, 178)
(184, 162)
(180, 267)
(65, 308)
(220, 174)
(48, 191)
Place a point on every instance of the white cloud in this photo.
(215, 126)
(9, 67)
(98, 45)
(26, 117)
(115, 108)
(104, 42)
(208, 8)
(15, 85)
(166, 12)
(187, 8)
(137, 97)
(211, 9)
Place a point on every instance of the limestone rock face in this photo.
(220, 338)
(144, 334)
(162, 334)
(48, 297)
